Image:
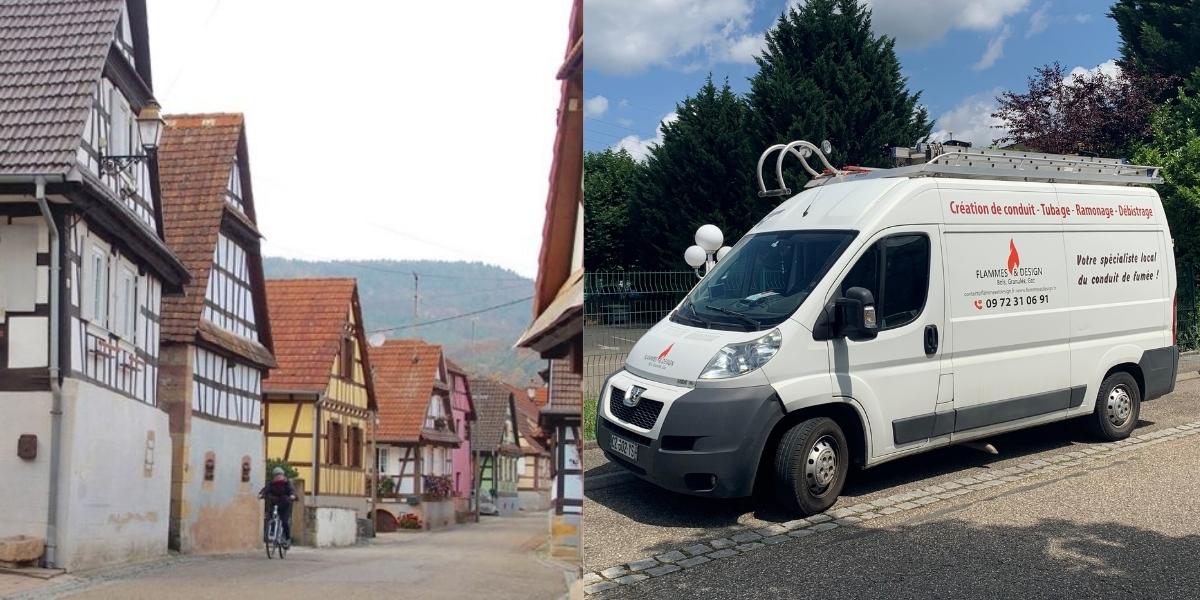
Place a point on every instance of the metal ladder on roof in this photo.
(945, 160)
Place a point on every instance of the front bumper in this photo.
(709, 440)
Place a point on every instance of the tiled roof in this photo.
(491, 399)
(565, 196)
(566, 389)
(52, 53)
(307, 320)
(527, 422)
(244, 347)
(405, 375)
(195, 159)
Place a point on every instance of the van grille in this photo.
(644, 415)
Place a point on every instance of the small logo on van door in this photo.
(1014, 259)
(632, 396)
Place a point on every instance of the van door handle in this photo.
(931, 340)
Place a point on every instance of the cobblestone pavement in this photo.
(491, 559)
(637, 532)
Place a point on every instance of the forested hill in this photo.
(447, 289)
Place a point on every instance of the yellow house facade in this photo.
(320, 403)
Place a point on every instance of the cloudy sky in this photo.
(642, 57)
(405, 130)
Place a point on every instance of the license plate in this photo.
(625, 448)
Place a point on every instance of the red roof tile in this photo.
(308, 317)
(405, 376)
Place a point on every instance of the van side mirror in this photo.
(855, 316)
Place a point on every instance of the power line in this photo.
(455, 317)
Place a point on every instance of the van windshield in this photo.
(763, 280)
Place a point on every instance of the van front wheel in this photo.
(1118, 405)
(811, 462)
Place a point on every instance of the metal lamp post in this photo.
(707, 251)
(150, 128)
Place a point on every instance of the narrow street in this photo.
(502, 552)
(1054, 510)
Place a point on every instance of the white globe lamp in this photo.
(695, 256)
(709, 238)
(722, 252)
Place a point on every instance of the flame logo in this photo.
(1014, 259)
(666, 352)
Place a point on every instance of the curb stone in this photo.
(750, 540)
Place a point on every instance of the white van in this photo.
(884, 313)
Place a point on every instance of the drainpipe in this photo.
(316, 452)
(55, 387)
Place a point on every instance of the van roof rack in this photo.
(942, 160)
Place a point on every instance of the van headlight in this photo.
(739, 359)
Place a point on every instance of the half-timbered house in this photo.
(216, 339)
(84, 268)
(497, 445)
(319, 402)
(416, 437)
(557, 328)
(462, 460)
(533, 468)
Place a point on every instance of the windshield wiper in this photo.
(696, 316)
(734, 313)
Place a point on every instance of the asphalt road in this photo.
(633, 520)
(495, 558)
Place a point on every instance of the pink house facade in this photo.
(463, 458)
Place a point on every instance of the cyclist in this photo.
(279, 492)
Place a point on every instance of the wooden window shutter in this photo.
(335, 444)
(347, 366)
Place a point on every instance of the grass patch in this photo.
(589, 419)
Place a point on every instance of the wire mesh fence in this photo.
(1187, 309)
(618, 307)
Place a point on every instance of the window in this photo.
(381, 460)
(896, 271)
(96, 277)
(763, 280)
(118, 136)
(125, 314)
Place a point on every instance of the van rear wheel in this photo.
(1118, 405)
(811, 463)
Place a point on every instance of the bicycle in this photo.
(275, 540)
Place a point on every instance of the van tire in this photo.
(812, 454)
(1118, 405)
